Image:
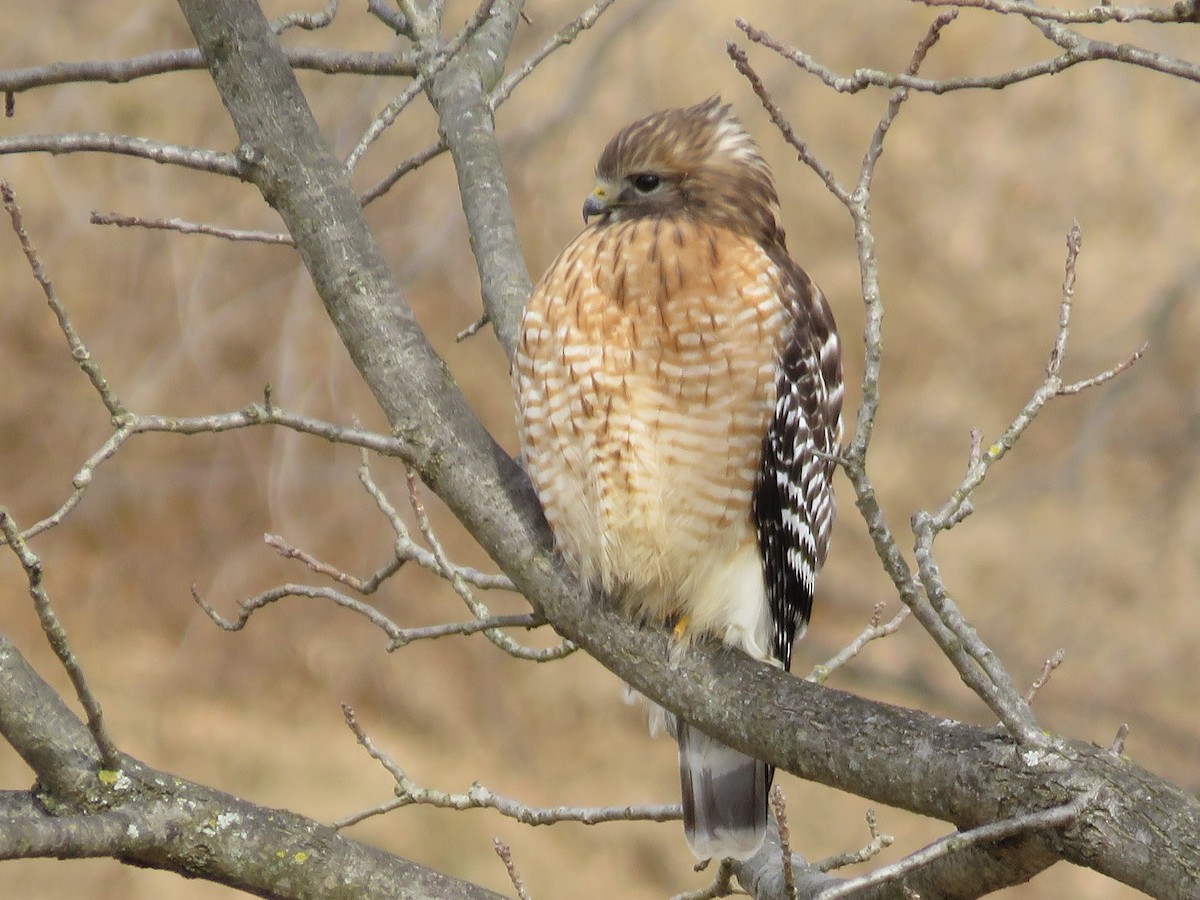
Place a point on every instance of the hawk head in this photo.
(697, 162)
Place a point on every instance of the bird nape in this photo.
(679, 392)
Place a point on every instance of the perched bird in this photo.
(679, 393)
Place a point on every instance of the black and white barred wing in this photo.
(793, 503)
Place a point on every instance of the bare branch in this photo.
(460, 94)
(472, 329)
(389, 15)
(875, 630)
(407, 549)
(879, 842)
(79, 351)
(1050, 388)
(806, 156)
(976, 662)
(1077, 49)
(1117, 747)
(306, 21)
(561, 38)
(721, 886)
(183, 226)
(478, 609)
(249, 417)
(1055, 817)
(175, 825)
(248, 608)
(779, 807)
(1104, 12)
(81, 482)
(430, 632)
(505, 854)
(331, 62)
(124, 145)
(56, 634)
(899, 95)
(1090, 49)
(1044, 676)
(477, 796)
(1105, 376)
(432, 60)
(415, 161)
(368, 586)
(1059, 350)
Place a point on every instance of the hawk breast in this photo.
(645, 378)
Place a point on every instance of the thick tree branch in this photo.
(168, 823)
(460, 94)
(948, 770)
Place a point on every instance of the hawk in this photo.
(679, 392)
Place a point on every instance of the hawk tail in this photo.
(724, 797)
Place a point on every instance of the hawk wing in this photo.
(793, 499)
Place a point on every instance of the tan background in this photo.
(1085, 538)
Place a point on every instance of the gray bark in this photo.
(1139, 829)
(145, 817)
(1136, 828)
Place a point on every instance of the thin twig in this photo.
(81, 482)
(363, 586)
(721, 886)
(1055, 817)
(432, 59)
(878, 843)
(56, 635)
(1117, 747)
(1099, 14)
(1044, 676)
(473, 328)
(79, 351)
(406, 549)
(398, 636)
(183, 226)
(899, 95)
(478, 608)
(306, 21)
(211, 161)
(876, 629)
(1051, 387)
(505, 854)
(477, 796)
(120, 71)
(527, 621)
(805, 154)
(561, 38)
(247, 608)
(249, 417)
(413, 162)
(779, 805)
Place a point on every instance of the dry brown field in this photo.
(1086, 538)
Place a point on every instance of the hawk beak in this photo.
(595, 204)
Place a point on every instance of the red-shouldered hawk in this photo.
(679, 394)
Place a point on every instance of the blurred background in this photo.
(1086, 538)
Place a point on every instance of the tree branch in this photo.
(965, 775)
(331, 62)
(124, 145)
(173, 824)
(460, 95)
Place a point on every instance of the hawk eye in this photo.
(646, 182)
